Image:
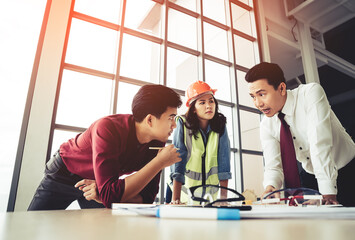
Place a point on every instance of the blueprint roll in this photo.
(197, 213)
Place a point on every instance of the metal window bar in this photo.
(200, 53)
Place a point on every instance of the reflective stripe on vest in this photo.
(198, 176)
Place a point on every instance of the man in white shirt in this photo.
(324, 151)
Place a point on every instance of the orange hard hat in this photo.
(196, 89)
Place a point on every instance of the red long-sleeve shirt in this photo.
(108, 149)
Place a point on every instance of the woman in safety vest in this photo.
(202, 139)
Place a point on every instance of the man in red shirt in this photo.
(113, 146)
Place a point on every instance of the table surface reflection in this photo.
(103, 224)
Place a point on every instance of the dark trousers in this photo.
(169, 194)
(56, 190)
(345, 183)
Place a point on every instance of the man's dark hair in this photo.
(217, 123)
(269, 71)
(153, 99)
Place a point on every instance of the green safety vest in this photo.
(202, 164)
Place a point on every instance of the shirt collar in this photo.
(289, 104)
(208, 129)
(132, 133)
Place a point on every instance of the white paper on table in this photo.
(321, 212)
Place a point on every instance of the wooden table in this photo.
(102, 224)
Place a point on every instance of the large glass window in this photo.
(61, 136)
(189, 4)
(215, 9)
(216, 41)
(218, 76)
(140, 59)
(245, 55)
(106, 64)
(126, 92)
(241, 19)
(107, 10)
(91, 46)
(182, 69)
(243, 91)
(249, 127)
(227, 112)
(182, 25)
(231, 183)
(247, 2)
(83, 99)
(144, 16)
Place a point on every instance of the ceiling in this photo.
(333, 30)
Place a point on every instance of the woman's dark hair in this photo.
(269, 71)
(217, 123)
(153, 99)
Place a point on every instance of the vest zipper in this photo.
(204, 161)
(204, 165)
(204, 168)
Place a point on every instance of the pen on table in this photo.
(158, 148)
(198, 213)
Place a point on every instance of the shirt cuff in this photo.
(327, 187)
(224, 176)
(178, 177)
(273, 178)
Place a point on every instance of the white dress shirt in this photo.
(321, 143)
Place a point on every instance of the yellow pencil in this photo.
(158, 148)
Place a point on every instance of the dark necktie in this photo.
(288, 155)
